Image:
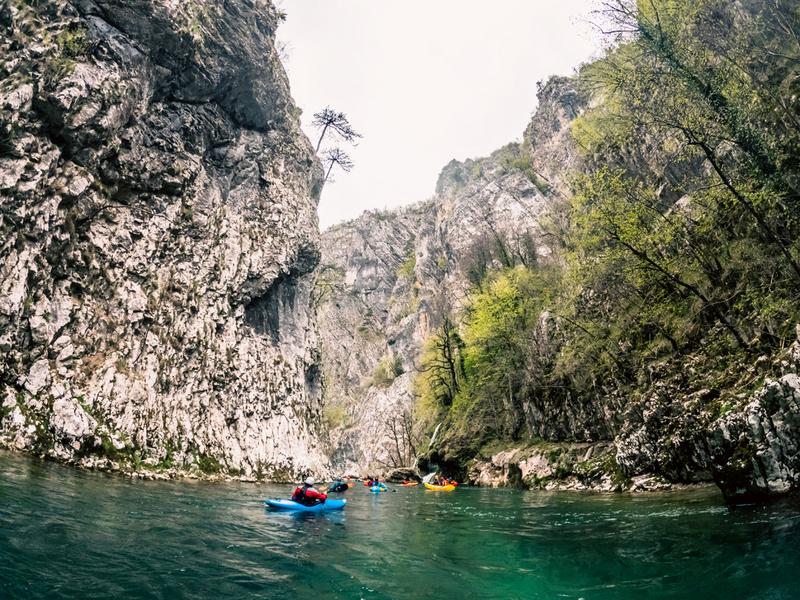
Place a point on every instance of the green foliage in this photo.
(605, 126)
(7, 409)
(407, 268)
(494, 317)
(387, 370)
(500, 330)
(334, 416)
(728, 255)
(441, 374)
(57, 69)
(168, 461)
(208, 464)
(517, 158)
(72, 43)
(107, 446)
(680, 238)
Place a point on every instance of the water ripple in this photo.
(69, 534)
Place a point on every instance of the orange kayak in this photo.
(410, 484)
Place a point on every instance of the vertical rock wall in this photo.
(159, 233)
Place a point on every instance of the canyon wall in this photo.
(159, 236)
(388, 279)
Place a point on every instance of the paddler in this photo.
(306, 494)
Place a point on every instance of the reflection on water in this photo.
(72, 534)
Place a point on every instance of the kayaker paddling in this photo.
(338, 486)
(306, 494)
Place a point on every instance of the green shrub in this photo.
(386, 371)
(72, 43)
(407, 268)
(208, 464)
(334, 416)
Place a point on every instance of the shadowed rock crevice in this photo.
(266, 313)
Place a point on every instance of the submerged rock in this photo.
(403, 474)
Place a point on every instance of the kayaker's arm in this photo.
(312, 493)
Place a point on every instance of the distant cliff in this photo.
(389, 279)
(159, 233)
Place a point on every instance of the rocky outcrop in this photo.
(549, 133)
(756, 451)
(159, 232)
(578, 466)
(563, 467)
(368, 307)
(748, 442)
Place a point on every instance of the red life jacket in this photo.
(302, 497)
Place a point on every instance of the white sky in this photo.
(424, 81)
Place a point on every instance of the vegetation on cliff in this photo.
(679, 261)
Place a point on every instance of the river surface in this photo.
(73, 534)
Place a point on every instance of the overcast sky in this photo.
(424, 81)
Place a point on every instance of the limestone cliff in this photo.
(388, 279)
(159, 233)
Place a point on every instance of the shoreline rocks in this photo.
(756, 451)
(565, 467)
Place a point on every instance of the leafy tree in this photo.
(678, 245)
(442, 368)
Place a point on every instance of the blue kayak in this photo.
(281, 504)
(376, 489)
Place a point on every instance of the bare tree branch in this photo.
(338, 157)
(329, 120)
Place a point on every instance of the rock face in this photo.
(159, 233)
(370, 329)
(756, 451)
(387, 279)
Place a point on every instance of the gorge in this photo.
(608, 304)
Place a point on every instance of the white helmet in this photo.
(309, 481)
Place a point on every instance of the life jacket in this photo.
(300, 496)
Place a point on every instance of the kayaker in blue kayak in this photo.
(306, 494)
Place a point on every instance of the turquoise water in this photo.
(71, 534)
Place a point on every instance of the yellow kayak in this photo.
(440, 488)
